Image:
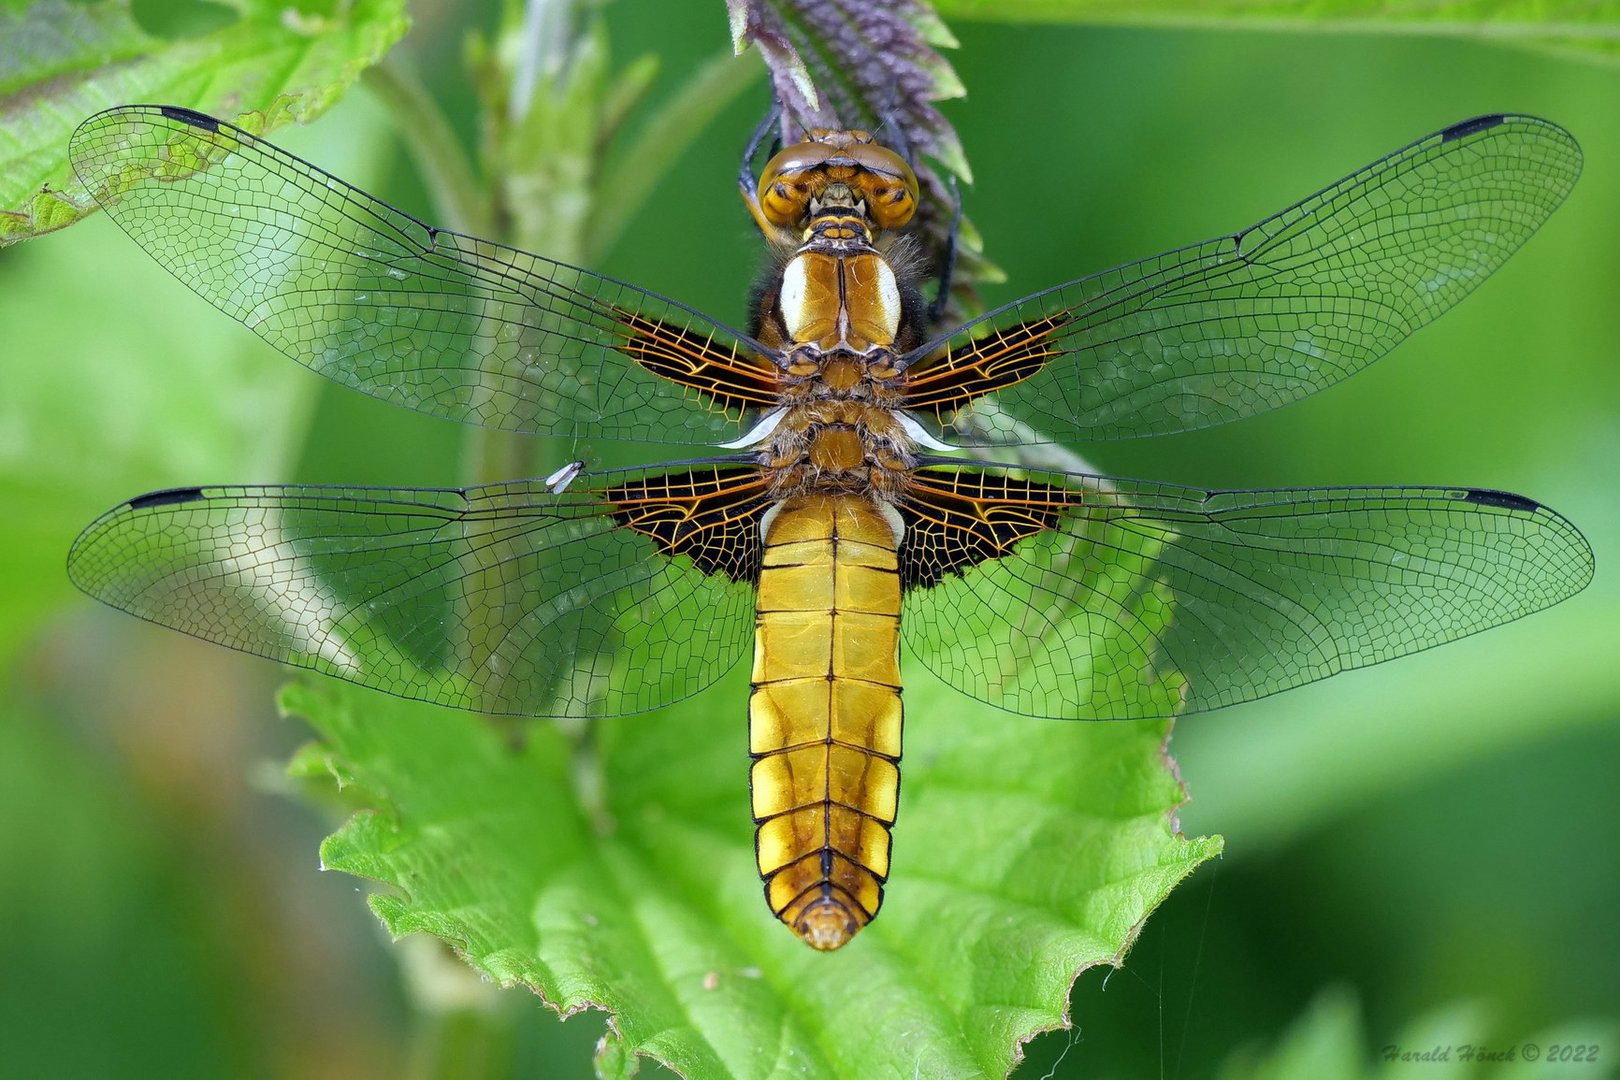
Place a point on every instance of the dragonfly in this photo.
(836, 514)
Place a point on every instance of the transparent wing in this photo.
(503, 599)
(1071, 596)
(1251, 321)
(374, 299)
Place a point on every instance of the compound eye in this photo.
(784, 202)
(784, 187)
(893, 204)
(889, 184)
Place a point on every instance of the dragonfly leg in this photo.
(947, 262)
(747, 183)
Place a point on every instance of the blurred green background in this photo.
(1431, 833)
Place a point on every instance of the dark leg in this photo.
(745, 174)
(947, 264)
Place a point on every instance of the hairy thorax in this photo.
(836, 310)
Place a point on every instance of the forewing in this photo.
(1079, 597)
(1257, 319)
(503, 599)
(374, 299)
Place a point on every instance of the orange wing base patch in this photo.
(947, 381)
(956, 519)
(709, 515)
(734, 379)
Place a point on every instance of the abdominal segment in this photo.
(825, 715)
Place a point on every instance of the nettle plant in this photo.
(616, 864)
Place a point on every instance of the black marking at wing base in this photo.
(710, 515)
(165, 497)
(1469, 127)
(378, 301)
(1152, 599)
(1504, 499)
(506, 599)
(958, 518)
(188, 116)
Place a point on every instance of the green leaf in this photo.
(611, 865)
(615, 870)
(64, 61)
(1589, 30)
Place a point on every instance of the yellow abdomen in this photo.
(824, 716)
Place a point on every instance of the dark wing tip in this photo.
(166, 497)
(1505, 500)
(1469, 127)
(189, 116)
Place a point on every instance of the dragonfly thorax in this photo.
(870, 376)
(838, 446)
(838, 313)
(839, 301)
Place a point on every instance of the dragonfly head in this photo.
(838, 166)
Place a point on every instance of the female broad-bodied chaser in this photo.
(835, 525)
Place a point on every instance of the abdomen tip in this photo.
(826, 924)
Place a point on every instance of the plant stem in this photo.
(440, 157)
(661, 140)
